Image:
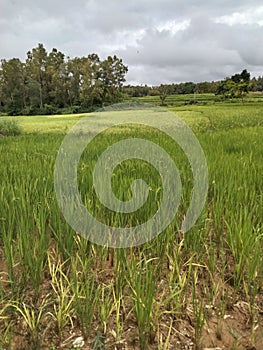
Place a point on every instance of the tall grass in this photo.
(10, 128)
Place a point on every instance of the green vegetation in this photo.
(40, 124)
(47, 83)
(201, 99)
(203, 116)
(9, 128)
(164, 294)
(236, 86)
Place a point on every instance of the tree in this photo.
(73, 80)
(245, 76)
(163, 94)
(227, 88)
(13, 85)
(236, 86)
(36, 65)
(256, 84)
(56, 77)
(112, 75)
(48, 81)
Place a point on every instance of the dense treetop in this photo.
(49, 81)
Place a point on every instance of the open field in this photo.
(201, 117)
(57, 124)
(200, 290)
(201, 99)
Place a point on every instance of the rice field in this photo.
(202, 289)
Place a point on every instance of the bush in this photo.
(76, 109)
(13, 110)
(29, 110)
(34, 110)
(72, 109)
(48, 110)
(9, 128)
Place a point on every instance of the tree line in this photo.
(49, 82)
(171, 89)
(235, 86)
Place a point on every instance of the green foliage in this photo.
(171, 89)
(10, 128)
(163, 94)
(98, 342)
(47, 82)
(236, 86)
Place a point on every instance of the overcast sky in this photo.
(161, 41)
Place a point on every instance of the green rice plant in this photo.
(33, 242)
(85, 292)
(199, 314)
(101, 256)
(8, 225)
(7, 334)
(118, 318)
(63, 235)
(165, 345)
(120, 272)
(221, 307)
(118, 290)
(254, 282)
(142, 283)
(105, 306)
(179, 278)
(241, 242)
(9, 257)
(33, 317)
(237, 339)
(216, 264)
(98, 342)
(63, 304)
(6, 324)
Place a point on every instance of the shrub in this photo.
(29, 110)
(71, 110)
(48, 110)
(10, 128)
(13, 110)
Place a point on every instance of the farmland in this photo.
(202, 289)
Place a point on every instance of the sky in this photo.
(161, 41)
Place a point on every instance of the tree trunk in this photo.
(40, 96)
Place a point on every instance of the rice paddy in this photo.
(202, 289)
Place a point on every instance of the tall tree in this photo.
(56, 79)
(48, 81)
(12, 84)
(112, 75)
(36, 64)
(74, 80)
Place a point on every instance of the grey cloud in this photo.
(204, 51)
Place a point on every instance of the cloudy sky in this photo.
(161, 41)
